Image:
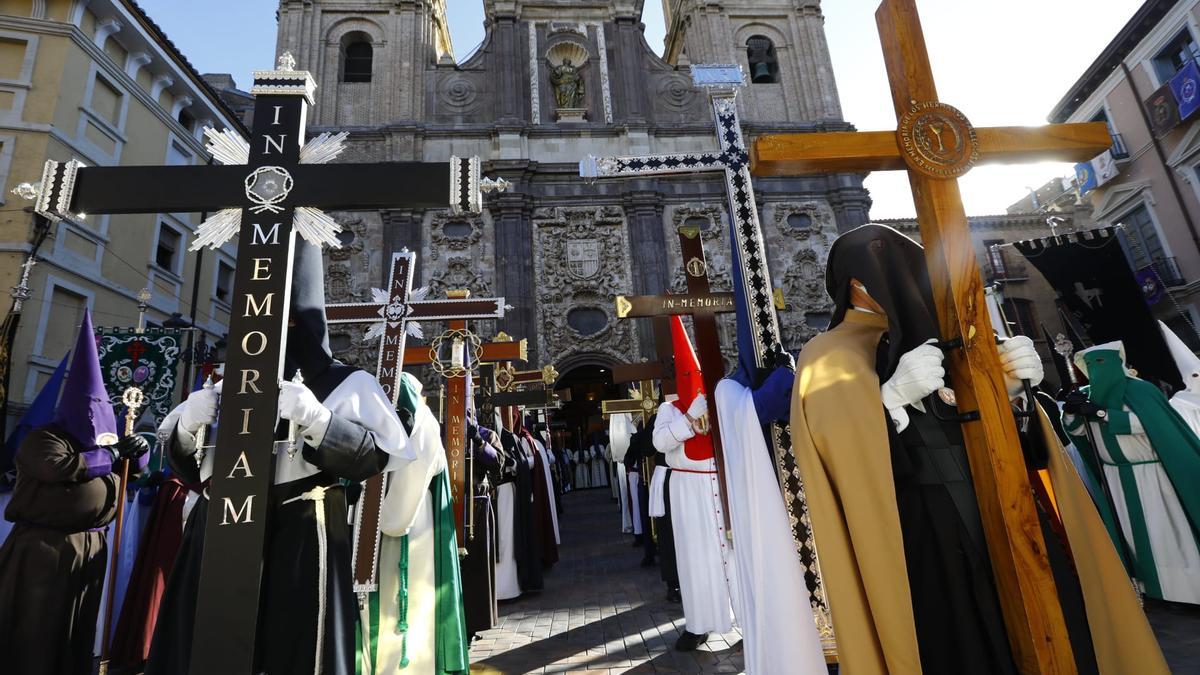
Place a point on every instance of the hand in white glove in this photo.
(200, 409)
(918, 374)
(298, 404)
(698, 408)
(1021, 361)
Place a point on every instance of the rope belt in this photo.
(317, 496)
(694, 471)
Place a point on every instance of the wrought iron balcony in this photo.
(1167, 270)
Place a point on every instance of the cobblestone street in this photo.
(600, 611)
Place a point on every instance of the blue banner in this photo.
(1085, 177)
(1186, 87)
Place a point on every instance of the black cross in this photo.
(260, 192)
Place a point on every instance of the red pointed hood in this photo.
(690, 384)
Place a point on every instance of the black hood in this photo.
(308, 334)
(892, 268)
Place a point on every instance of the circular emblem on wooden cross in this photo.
(937, 140)
(696, 267)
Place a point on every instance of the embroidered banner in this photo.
(147, 360)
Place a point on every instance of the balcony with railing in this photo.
(1003, 268)
(1167, 270)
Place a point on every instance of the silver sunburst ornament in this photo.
(394, 310)
(267, 187)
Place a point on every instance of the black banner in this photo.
(1091, 275)
(1162, 110)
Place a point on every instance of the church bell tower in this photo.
(779, 43)
(369, 57)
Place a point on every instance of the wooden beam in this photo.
(859, 151)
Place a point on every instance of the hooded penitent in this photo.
(892, 269)
(307, 335)
(1189, 370)
(84, 410)
(1152, 467)
(690, 383)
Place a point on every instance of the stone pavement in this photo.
(600, 611)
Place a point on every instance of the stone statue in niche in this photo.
(566, 59)
(568, 85)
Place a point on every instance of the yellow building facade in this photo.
(97, 81)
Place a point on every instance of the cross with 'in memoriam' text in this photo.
(393, 314)
(644, 374)
(265, 192)
(936, 144)
(454, 431)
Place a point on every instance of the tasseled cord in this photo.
(402, 603)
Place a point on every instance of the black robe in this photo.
(526, 539)
(52, 564)
(666, 536)
(641, 448)
(288, 607)
(478, 568)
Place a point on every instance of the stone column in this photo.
(850, 201)
(647, 251)
(515, 281)
(510, 81)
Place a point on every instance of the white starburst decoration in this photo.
(411, 328)
(230, 149)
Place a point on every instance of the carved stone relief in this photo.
(457, 255)
(799, 235)
(350, 272)
(583, 263)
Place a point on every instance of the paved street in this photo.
(600, 611)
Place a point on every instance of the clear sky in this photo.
(1001, 63)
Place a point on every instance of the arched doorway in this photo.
(589, 379)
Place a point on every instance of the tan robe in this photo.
(847, 475)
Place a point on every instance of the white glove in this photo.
(298, 404)
(918, 374)
(1021, 361)
(698, 408)
(200, 409)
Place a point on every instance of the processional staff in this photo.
(133, 398)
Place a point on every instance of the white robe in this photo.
(407, 510)
(583, 473)
(658, 503)
(1176, 556)
(707, 576)
(1187, 404)
(508, 583)
(778, 635)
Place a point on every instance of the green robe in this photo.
(1172, 444)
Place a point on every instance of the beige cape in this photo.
(839, 435)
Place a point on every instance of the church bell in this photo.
(761, 73)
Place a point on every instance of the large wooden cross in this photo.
(532, 389)
(731, 161)
(264, 192)
(935, 143)
(454, 430)
(390, 315)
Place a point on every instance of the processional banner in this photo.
(147, 360)
(1091, 274)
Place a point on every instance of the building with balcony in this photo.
(98, 81)
(1144, 85)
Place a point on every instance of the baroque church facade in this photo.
(552, 82)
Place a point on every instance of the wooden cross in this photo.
(703, 306)
(389, 316)
(731, 161)
(935, 143)
(454, 431)
(265, 192)
(644, 374)
(538, 386)
(643, 405)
